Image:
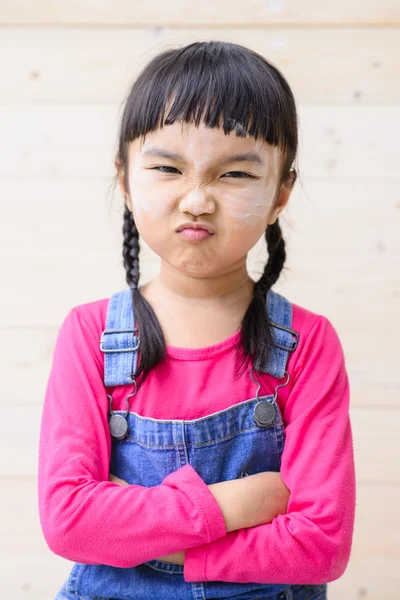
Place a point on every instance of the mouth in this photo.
(195, 235)
(195, 231)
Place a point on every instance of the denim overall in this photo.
(223, 445)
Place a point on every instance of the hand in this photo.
(177, 558)
(251, 501)
(116, 479)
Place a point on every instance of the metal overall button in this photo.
(117, 423)
(264, 411)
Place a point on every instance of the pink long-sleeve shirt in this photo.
(87, 518)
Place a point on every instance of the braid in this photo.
(131, 248)
(152, 343)
(256, 333)
(276, 259)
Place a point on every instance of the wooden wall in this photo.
(65, 70)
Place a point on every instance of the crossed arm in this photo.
(264, 492)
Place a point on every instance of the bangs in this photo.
(218, 83)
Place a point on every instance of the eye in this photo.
(173, 170)
(163, 167)
(240, 174)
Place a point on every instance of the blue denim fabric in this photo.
(224, 445)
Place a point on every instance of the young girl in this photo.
(195, 439)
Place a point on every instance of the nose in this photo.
(197, 202)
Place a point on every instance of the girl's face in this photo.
(186, 173)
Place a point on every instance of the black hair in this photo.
(221, 84)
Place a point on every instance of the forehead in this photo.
(201, 142)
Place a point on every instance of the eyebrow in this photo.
(252, 157)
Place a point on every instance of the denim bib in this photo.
(231, 443)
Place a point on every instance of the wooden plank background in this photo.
(66, 68)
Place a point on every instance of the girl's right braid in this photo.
(152, 342)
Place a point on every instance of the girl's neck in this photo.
(180, 288)
(199, 313)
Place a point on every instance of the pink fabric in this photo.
(88, 519)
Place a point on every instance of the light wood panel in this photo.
(66, 68)
(323, 65)
(32, 575)
(257, 12)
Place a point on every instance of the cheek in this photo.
(246, 210)
(251, 207)
(147, 203)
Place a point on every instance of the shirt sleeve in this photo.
(311, 542)
(84, 516)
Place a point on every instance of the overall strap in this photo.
(120, 340)
(280, 312)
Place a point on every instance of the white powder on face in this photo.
(246, 208)
(249, 210)
(143, 201)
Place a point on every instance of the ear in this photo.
(121, 182)
(283, 197)
(121, 176)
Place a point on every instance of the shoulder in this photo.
(319, 382)
(86, 322)
(318, 339)
(304, 319)
(92, 314)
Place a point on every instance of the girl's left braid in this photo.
(131, 248)
(276, 260)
